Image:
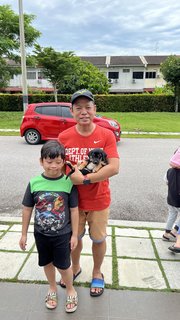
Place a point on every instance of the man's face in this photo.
(83, 111)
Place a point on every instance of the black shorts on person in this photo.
(55, 250)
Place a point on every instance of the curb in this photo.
(123, 132)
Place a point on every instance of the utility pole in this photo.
(23, 56)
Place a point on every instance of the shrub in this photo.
(105, 103)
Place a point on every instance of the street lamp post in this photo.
(23, 56)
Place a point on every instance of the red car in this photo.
(44, 121)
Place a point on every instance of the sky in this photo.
(106, 27)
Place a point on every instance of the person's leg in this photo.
(98, 251)
(51, 299)
(45, 257)
(177, 244)
(75, 254)
(177, 225)
(72, 299)
(97, 221)
(172, 216)
(49, 270)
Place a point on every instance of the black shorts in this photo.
(54, 250)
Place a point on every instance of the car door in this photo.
(47, 121)
(66, 118)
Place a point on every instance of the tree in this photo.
(166, 89)
(56, 66)
(86, 76)
(170, 69)
(68, 73)
(10, 40)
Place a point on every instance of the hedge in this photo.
(105, 103)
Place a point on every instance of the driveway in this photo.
(138, 191)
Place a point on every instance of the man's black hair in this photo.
(52, 149)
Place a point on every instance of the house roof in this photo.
(125, 61)
(97, 61)
(155, 59)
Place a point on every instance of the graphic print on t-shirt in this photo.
(77, 154)
(50, 211)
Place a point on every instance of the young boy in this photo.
(55, 222)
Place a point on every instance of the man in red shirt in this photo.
(93, 189)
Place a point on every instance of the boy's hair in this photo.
(52, 149)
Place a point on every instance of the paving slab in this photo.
(4, 227)
(31, 271)
(140, 274)
(156, 233)
(10, 241)
(135, 247)
(164, 252)
(18, 227)
(12, 262)
(172, 273)
(130, 232)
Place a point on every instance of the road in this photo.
(138, 191)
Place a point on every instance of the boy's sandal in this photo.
(73, 302)
(51, 300)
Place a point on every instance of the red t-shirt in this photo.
(95, 196)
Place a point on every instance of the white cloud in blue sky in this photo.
(106, 27)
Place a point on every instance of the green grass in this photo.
(130, 121)
(147, 121)
(10, 120)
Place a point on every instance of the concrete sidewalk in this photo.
(137, 267)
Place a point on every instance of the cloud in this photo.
(107, 27)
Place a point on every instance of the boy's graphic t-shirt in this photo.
(52, 199)
(95, 196)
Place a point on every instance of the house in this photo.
(126, 74)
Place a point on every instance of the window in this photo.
(138, 75)
(150, 75)
(126, 70)
(31, 75)
(66, 113)
(47, 110)
(40, 75)
(113, 75)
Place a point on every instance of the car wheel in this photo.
(32, 136)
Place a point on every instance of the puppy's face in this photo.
(96, 156)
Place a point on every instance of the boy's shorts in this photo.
(53, 249)
(97, 222)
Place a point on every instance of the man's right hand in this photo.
(77, 177)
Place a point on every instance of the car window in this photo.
(66, 113)
(38, 110)
(47, 110)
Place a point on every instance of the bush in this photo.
(105, 103)
(135, 103)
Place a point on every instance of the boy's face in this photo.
(52, 167)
